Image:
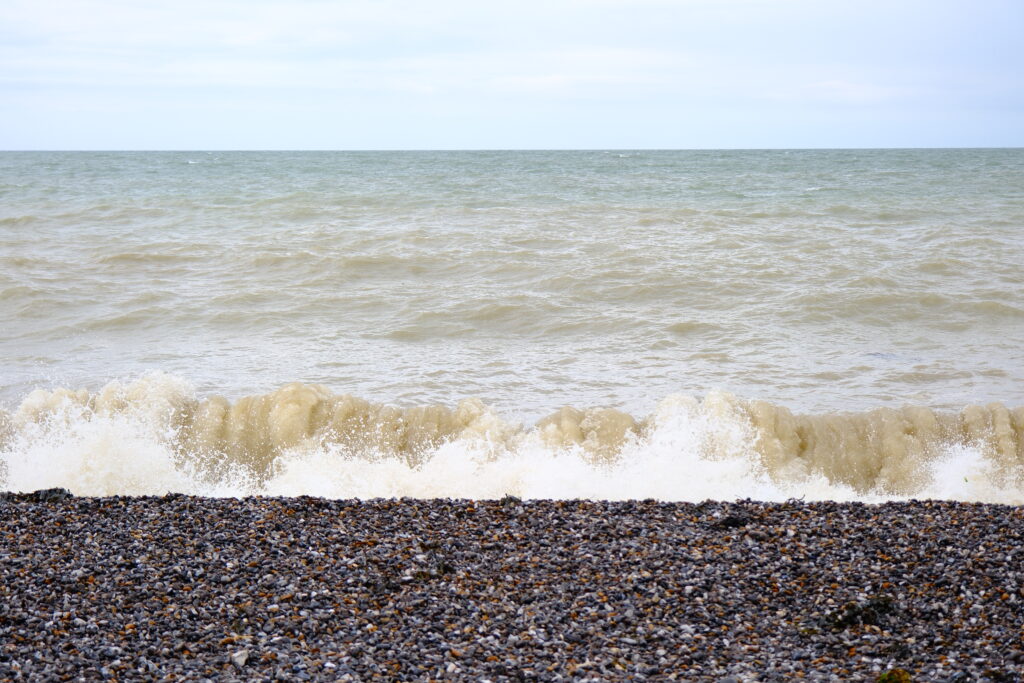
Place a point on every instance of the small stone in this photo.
(50, 495)
(895, 676)
(600, 582)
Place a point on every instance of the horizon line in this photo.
(512, 149)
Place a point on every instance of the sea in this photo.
(678, 325)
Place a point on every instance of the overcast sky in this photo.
(446, 74)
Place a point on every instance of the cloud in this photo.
(629, 61)
(846, 92)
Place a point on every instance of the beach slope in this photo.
(316, 589)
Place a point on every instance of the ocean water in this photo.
(672, 324)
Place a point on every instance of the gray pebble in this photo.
(311, 589)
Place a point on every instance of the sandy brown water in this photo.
(679, 325)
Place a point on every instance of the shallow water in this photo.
(837, 285)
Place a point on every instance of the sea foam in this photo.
(154, 435)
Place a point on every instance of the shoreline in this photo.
(318, 589)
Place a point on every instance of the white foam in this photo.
(147, 438)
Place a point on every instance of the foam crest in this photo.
(154, 435)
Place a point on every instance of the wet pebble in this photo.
(311, 589)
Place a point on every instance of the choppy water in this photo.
(722, 324)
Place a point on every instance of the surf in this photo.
(154, 435)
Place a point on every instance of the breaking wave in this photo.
(153, 435)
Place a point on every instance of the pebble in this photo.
(188, 588)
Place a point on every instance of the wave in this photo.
(20, 220)
(154, 435)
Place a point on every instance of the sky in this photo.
(534, 74)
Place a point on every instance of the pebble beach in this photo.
(189, 588)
